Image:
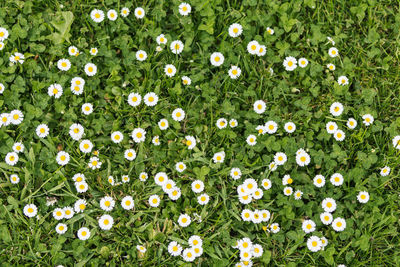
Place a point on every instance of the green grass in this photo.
(367, 36)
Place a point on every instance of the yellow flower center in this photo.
(217, 59)
(30, 210)
(82, 206)
(64, 64)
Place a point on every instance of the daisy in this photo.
(339, 135)
(351, 123)
(130, 154)
(271, 127)
(337, 179)
(314, 243)
(197, 186)
(141, 248)
(184, 9)
(30, 210)
(170, 70)
(257, 194)
(3, 34)
(326, 218)
(163, 124)
(324, 242)
(331, 127)
(112, 15)
(290, 63)
(77, 85)
(186, 80)
(141, 55)
(80, 205)
(257, 251)
(280, 158)
(58, 214)
(266, 183)
(125, 178)
(298, 194)
(217, 59)
(150, 99)
(221, 123)
(1, 88)
(290, 127)
(203, 199)
(245, 255)
(55, 90)
(168, 186)
(125, 12)
(333, 52)
(63, 64)
(259, 106)
(184, 220)
(138, 135)
(329, 204)
(174, 248)
(262, 50)
(234, 72)
(246, 215)
(195, 241)
(303, 62)
(86, 146)
(83, 233)
(270, 30)
(143, 176)
(1, 48)
(188, 254)
(331, 67)
(319, 180)
(106, 222)
(62, 158)
(94, 163)
(253, 47)
(339, 224)
(76, 131)
(190, 141)
(14, 179)
(161, 178)
(178, 114)
(245, 244)
(17, 58)
(266, 215)
(235, 30)
(275, 228)
(368, 119)
(363, 197)
(16, 117)
(61, 228)
(156, 140)
(139, 12)
(385, 171)
(93, 51)
(288, 191)
(73, 51)
(175, 193)
(97, 15)
(161, 39)
(176, 47)
(343, 80)
(107, 203)
(303, 159)
(235, 173)
(308, 226)
(396, 142)
(134, 99)
(251, 140)
(336, 109)
(111, 180)
(79, 177)
(5, 119)
(219, 157)
(90, 69)
(245, 199)
(81, 187)
(117, 137)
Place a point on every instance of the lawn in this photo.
(157, 133)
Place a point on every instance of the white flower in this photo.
(262, 50)
(337, 179)
(197, 186)
(161, 178)
(163, 124)
(217, 59)
(17, 58)
(86, 146)
(319, 180)
(18, 147)
(363, 197)
(83, 233)
(234, 72)
(331, 67)
(290, 63)
(63, 64)
(112, 15)
(184, 9)
(253, 47)
(111, 180)
(271, 127)
(127, 203)
(343, 80)
(55, 90)
(324, 242)
(30, 210)
(130, 154)
(270, 30)
(188, 254)
(190, 141)
(156, 140)
(143, 176)
(94, 163)
(106, 222)
(266, 183)
(93, 51)
(5, 119)
(339, 135)
(79, 177)
(245, 255)
(150, 99)
(73, 51)
(331, 127)
(170, 70)
(257, 194)
(184, 220)
(139, 13)
(81, 187)
(298, 194)
(176, 47)
(385, 171)
(3, 34)
(339, 224)
(259, 106)
(326, 218)
(303, 62)
(161, 39)
(61, 228)
(174, 193)
(351, 123)
(141, 55)
(368, 119)
(62, 158)
(77, 85)
(235, 30)
(290, 127)
(14, 179)
(142, 249)
(174, 248)
(168, 186)
(58, 214)
(336, 109)
(1, 48)
(1, 88)
(251, 140)
(90, 69)
(76, 131)
(265, 215)
(246, 215)
(219, 157)
(80, 205)
(125, 12)
(117, 137)
(396, 142)
(138, 135)
(134, 99)
(287, 191)
(178, 114)
(275, 228)
(195, 241)
(97, 15)
(257, 251)
(308, 226)
(125, 178)
(333, 52)
(16, 117)
(235, 173)
(314, 243)
(186, 80)
(107, 203)
(303, 159)
(329, 204)
(280, 158)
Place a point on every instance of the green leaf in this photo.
(62, 23)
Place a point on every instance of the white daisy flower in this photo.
(138, 135)
(253, 47)
(55, 90)
(235, 30)
(331, 127)
(190, 141)
(265, 215)
(188, 255)
(1, 48)
(326, 218)
(76, 131)
(175, 193)
(259, 106)
(331, 67)
(385, 171)
(112, 15)
(251, 140)
(130, 154)
(139, 12)
(150, 99)
(333, 52)
(280, 158)
(170, 70)
(77, 85)
(58, 214)
(235, 173)
(97, 15)
(117, 137)
(184, 220)
(5, 119)
(94, 163)
(290, 63)
(79, 177)
(287, 191)
(134, 99)
(143, 176)
(337, 179)
(271, 127)
(163, 124)
(287, 180)
(161, 39)
(3, 34)
(176, 47)
(61, 228)
(127, 203)
(81, 187)
(93, 51)
(18, 147)
(275, 228)
(234, 72)
(339, 135)
(86, 146)
(17, 58)
(16, 117)
(174, 248)
(257, 194)
(396, 142)
(106, 222)
(141, 248)
(178, 114)
(308, 226)
(107, 203)
(262, 50)
(298, 194)
(141, 55)
(319, 180)
(125, 12)
(290, 127)
(90, 69)
(180, 166)
(73, 51)
(314, 243)
(63, 64)
(303, 62)
(246, 215)
(219, 157)
(368, 119)
(161, 178)
(80, 205)
(2, 87)
(30, 210)
(339, 224)
(336, 109)
(329, 205)
(363, 197)
(83, 233)
(351, 123)
(270, 30)
(62, 158)
(266, 183)
(217, 59)
(343, 80)
(14, 179)
(197, 186)
(184, 9)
